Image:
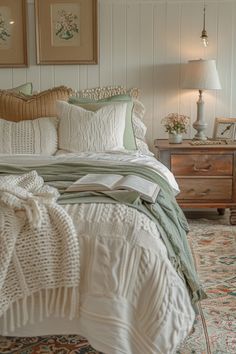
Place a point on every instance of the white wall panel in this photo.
(133, 34)
(6, 78)
(105, 43)
(159, 62)
(224, 59)
(145, 43)
(147, 64)
(118, 43)
(233, 64)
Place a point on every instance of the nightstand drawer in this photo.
(202, 165)
(205, 189)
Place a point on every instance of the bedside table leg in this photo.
(232, 217)
(221, 211)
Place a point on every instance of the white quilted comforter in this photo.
(131, 299)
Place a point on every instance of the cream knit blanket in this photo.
(39, 252)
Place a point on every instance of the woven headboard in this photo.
(17, 107)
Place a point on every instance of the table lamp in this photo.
(201, 75)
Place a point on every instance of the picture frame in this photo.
(66, 32)
(225, 128)
(13, 35)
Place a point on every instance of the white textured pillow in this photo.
(140, 128)
(81, 130)
(143, 147)
(38, 136)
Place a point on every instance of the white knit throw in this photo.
(39, 252)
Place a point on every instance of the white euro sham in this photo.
(81, 130)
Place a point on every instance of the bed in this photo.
(121, 272)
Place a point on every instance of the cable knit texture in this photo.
(81, 130)
(37, 136)
(39, 252)
(128, 287)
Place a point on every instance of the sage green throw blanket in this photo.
(166, 213)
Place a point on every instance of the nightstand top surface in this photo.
(186, 144)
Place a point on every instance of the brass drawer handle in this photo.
(190, 190)
(199, 169)
(202, 194)
(205, 192)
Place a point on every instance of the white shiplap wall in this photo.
(143, 44)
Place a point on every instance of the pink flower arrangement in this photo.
(176, 123)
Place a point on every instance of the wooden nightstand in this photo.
(206, 174)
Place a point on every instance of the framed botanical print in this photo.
(66, 31)
(13, 38)
(225, 128)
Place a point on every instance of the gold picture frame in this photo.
(225, 128)
(66, 31)
(13, 37)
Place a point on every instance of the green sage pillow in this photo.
(94, 105)
(26, 89)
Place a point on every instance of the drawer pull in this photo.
(190, 190)
(199, 169)
(202, 194)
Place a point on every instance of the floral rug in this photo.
(213, 243)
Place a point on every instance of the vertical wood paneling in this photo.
(119, 43)
(172, 67)
(47, 77)
(146, 64)
(33, 72)
(83, 77)
(93, 76)
(145, 44)
(224, 60)
(133, 45)
(233, 64)
(18, 76)
(5, 78)
(211, 53)
(159, 44)
(105, 43)
(191, 48)
(65, 75)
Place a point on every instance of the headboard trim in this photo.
(99, 93)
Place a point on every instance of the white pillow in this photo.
(139, 109)
(142, 147)
(140, 128)
(81, 130)
(38, 136)
(138, 113)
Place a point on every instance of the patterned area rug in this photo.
(214, 248)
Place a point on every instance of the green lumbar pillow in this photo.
(26, 89)
(94, 105)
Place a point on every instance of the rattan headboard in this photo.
(17, 107)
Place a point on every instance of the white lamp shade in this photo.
(201, 75)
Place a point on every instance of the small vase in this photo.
(175, 138)
(66, 35)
